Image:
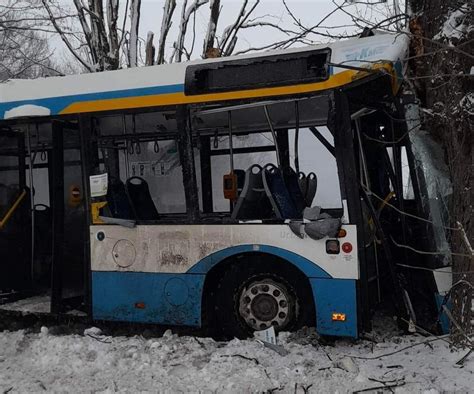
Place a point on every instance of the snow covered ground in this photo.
(44, 361)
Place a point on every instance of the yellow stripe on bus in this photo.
(334, 81)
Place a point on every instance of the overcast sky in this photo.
(309, 12)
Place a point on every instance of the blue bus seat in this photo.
(292, 184)
(140, 198)
(277, 192)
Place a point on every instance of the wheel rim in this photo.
(265, 303)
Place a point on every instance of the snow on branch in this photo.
(64, 38)
(112, 18)
(230, 37)
(185, 16)
(215, 7)
(135, 6)
(149, 49)
(166, 22)
(80, 7)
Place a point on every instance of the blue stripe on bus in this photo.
(310, 269)
(335, 296)
(173, 299)
(57, 104)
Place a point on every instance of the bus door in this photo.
(41, 217)
(69, 271)
(15, 216)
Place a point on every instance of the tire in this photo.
(253, 295)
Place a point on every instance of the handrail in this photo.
(12, 210)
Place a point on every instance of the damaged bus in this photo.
(236, 194)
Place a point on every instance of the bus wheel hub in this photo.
(265, 303)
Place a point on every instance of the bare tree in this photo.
(441, 71)
(91, 34)
(135, 7)
(168, 11)
(179, 45)
(24, 53)
(209, 41)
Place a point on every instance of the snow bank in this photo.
(31, 362)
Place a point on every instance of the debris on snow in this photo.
(277, 348)
(347, 364)
(168, 334)
(95, 331)
(44, 331)
(267, 335)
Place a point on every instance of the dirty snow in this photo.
(37, 304)
(94, 362)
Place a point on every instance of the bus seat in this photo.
(140, 199)
(253, 202)
(303, 183)
(278, 194)
(240, 180)
(118, 201)
(292, 184)
(312, 180)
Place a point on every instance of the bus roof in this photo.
(167, 84)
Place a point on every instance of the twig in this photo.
(200, 343)
(464, 358)
(400, 350)
(385, 386)
(427, 252)
(384, 381)
(458, 326)
(105, 340)
(242, 356)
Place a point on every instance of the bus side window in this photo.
(220, 164)
(136, 154)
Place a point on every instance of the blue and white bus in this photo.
(235, 194)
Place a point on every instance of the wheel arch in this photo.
(295, 271)
(224, 256)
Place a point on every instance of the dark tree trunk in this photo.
(440, 70)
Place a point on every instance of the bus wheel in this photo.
(252, 302)
(264, 303)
